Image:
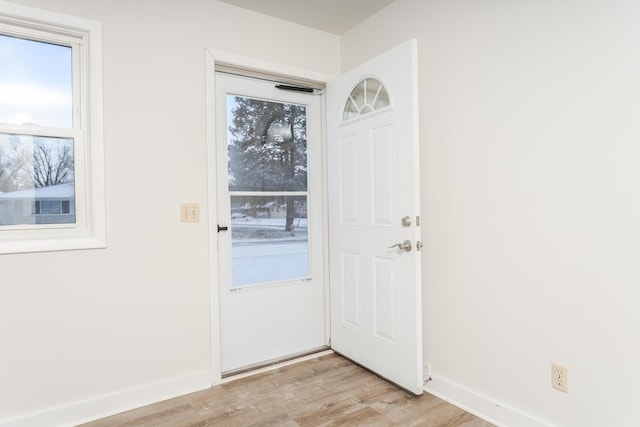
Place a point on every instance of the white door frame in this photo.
(211, 58)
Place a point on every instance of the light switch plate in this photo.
(189, 212)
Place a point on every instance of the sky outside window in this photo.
(35, 83)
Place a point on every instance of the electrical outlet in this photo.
(426, 368)
(426, 371)
(189, 212)
(560, 377)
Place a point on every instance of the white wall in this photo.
(530, 138)
(85, 333)
(529, 128)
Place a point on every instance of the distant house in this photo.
(46, 205)
(276, 209)
(273, 209)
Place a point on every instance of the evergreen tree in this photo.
(268, 148)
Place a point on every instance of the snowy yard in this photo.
(262, 251)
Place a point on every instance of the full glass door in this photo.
(269, 197)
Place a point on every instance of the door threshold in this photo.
(274, 364)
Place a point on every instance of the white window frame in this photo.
(84, 36)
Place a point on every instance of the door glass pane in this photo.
(267, 153)
(267, 145)
(35, 83)
(368, 96)
(269, 239)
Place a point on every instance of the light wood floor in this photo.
(324, 391)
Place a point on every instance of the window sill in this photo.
(49, 245)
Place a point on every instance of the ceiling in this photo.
(332, 16)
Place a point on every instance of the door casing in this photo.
(252, 66)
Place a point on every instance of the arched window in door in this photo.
(368, 96)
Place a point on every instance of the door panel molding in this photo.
(374, 184)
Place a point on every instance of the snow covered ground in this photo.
(262, 251)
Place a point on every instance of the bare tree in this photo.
(52, 165)
(9, 168)
(28, 162)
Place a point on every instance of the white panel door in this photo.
(373, 159)
(270, 245)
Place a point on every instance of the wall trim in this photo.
(260, 65)
(113, 403)
(479, 405)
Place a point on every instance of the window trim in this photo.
(89, 231)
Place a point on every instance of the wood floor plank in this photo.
(324, 391)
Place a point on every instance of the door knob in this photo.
(404, 246)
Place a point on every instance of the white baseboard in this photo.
(109, 404)
(481, 406)
(114, 403)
